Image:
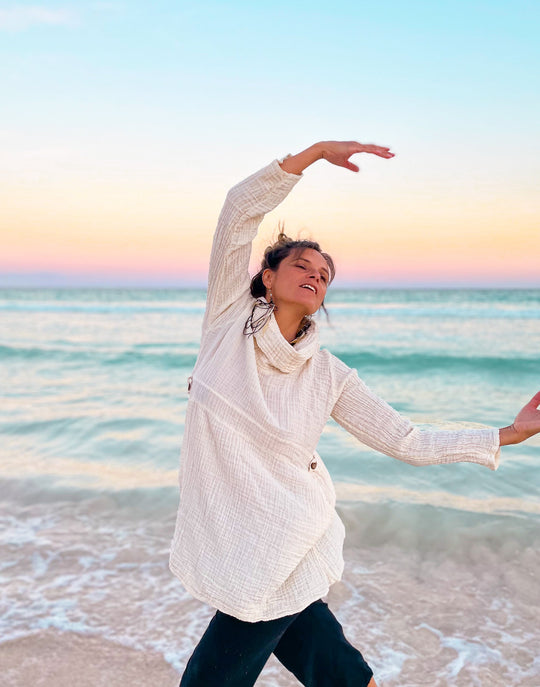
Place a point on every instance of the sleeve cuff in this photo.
(496, 451)
(282, 172)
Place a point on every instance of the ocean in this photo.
(441, 582)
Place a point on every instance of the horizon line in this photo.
(203, 286)
(57, 280)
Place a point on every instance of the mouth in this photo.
(310, 287)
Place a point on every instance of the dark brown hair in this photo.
(279, 250)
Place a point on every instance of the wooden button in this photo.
(313, 465)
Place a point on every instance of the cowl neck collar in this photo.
(279, 351)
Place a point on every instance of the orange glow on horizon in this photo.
(413, 238)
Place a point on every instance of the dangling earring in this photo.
(257, 320)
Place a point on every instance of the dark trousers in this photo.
(310, 644)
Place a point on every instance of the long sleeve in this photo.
(243, 211)
(381, 427)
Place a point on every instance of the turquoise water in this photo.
(95, 378)
(93, 396)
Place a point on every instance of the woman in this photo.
(257, 534)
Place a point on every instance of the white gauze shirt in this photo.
(257, 535)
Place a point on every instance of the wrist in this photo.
(509, 435)
(314, 153)
(296, 164)
(320, 150)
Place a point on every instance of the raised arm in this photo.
(245, 207)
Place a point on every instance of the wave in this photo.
(430, 311)
(409, 520)
(174, 308)
(167, 356)
(428, 527)
(420, 362)
(102, 300)
(146, 354)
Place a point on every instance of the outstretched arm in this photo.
(526, 424)
(335, 152)
(377, 425)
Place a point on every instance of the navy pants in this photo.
(311, 644)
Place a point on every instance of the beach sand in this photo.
(63, 659)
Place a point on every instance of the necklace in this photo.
(303, 329)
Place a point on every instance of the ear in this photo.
(267, 278)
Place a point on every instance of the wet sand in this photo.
(64, 659)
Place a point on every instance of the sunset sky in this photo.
(123, 124)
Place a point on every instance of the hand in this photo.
(339, 152)
(526, 424)
(336, 152)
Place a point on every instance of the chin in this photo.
(306, 306)
(312, 310)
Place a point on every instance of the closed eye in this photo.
(324, 278)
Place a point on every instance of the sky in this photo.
(123, 125)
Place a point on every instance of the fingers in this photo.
(351, 147)
(381, 151)
(534, 402)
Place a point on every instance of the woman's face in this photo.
(300, 280)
